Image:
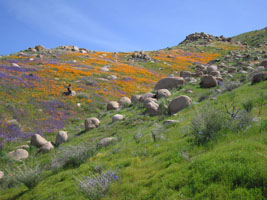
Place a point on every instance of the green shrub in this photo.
(206, 125)
(30, 175)
(71, 156)
(248, 105)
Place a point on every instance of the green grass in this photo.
(232, 167)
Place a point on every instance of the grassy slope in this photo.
(234, 167)
(253, 38)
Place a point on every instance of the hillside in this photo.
(211, 145)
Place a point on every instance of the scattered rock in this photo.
(112, 77)
(1, 175)
(231, 69)
(135, 98)
(264, 63)
(62, 136)
(13, 122)
(179, 104)
(152, 108)
(106, 141)
(14, 65)
(188, 91)
(259, 77)
(46, 147)
(215, 73)
(18, 154)
(91, 123)
(208, 81)
(37, 140)
(112, 105)
(145, 96)
(125, 101)
(212, 68)
(185, 74)
(169, 83)
(73, 93)
(163, 93)
(104, 69)
(117, 117)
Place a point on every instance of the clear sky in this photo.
(122, 25)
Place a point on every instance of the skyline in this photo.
(122, 25)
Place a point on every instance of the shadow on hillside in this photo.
(18, 195)
(80, 133)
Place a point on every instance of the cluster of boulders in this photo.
(140, 56)
(204, 36)
(73, 48)
(37, 48)
(21, 153)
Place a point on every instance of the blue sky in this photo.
(122, 25)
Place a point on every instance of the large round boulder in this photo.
(179, 104)
(112, 105)
(62, 136)
(106, 141)
(259, 77)
(163, 93)
(18, 154)
(169, 83)
(46, 147)
(117, 117)
(208, 81)
(37, 140)
(91, 123)
(125, 101)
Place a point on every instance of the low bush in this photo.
(248, 105)
(95, 187)
(206, 125)
(71, 156)
(30, 175)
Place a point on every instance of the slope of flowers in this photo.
(31, 89)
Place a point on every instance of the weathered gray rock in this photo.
(212, 68)
(179, 104)
(147, 100)
(112, 77)
(169, 83)
(215, 73)
(135, 98)
(104, 69)
(91, 123)
(152, 108)
(125, 101)
(1, 175)
(106, 141)
(113, 105)
(185, 74)
(145, 96)
(208, 81)
(18, 154)
(13, 122)
(259, 77)
(117, 117)
(163, 93)
(62, 136)
(38, 140)
(264, 63)
(46, 147)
